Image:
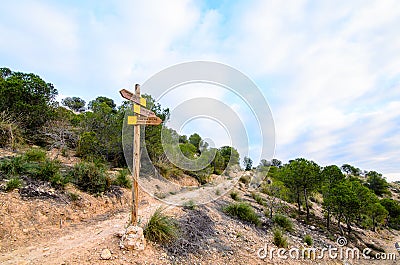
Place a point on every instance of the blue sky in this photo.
(330, 70)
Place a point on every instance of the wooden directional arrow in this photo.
(132, 97)
(135, 120)
(143, 111)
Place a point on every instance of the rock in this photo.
(105, 254)
(133, 239)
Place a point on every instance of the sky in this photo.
(330, 70)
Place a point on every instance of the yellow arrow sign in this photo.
(135, 120)
(142, 111)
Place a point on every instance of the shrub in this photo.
(88, 145)
(277, 189)
(73, 196)
(283, 221)
(293, 215)
(14, 166)
(123, 179)
(160, 195)
(235, 195)
(279, 240)
(243, 211)
(191, 205)
(13, 183)
(10, 131)
(35, 155)
(245, 179)
(90, 177)
(258, 198)
(308, 240)
(48, 170)
(160, 228)
(65, 152)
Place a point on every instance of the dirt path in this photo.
(59, 250)
(80, 243)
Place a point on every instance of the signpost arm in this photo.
(135, 168)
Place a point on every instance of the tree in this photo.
(100, 134)
(10, 131)
(276, 190)
(248, 163)
(393, 208)
(188, 150)
(99, 100)
(218, 163)
(264, 163)
(345, 203)
(276, 163)
(75, 103)
(195, 140)
(349, 200)
(230, 156)
(183, 139)
(377, 183)
(29, 99)
(331, 177)
(60, 131)
(378, 213)
(350, 170)
(303, 177)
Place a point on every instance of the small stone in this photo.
(106, 254)
(46, 248)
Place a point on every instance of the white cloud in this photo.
(38, 36)
(331, 68)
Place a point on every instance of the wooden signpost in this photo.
(143, 117)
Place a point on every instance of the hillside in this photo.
(50, 227)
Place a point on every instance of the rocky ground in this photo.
(48, 231)
(40, 225)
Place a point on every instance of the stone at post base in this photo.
(133, 239)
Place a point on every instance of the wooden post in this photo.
(142, 116)
(135, 168)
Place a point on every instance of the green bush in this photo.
(13, 183)
(258, 198)
(279, 240)
(73, 196)
(243, 211)
(283, 221)
(190, 205)
(235, 195)
(90, 177)
(14, 166)
(245, 179)
(49, 170)
(161, 228)
(308, 240)
(88, 145)
(123, 179)
(35, 155)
